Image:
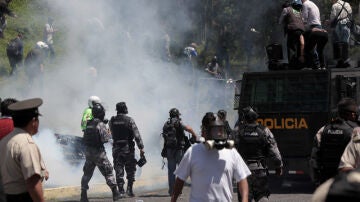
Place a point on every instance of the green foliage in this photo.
(31, 18)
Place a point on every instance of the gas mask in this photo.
(217, 137)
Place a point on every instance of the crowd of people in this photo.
(33, 61)
(306, 36)
(240, 153)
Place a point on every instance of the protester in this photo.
(49, 31)
(175, 143)
(315, 36)
(339, 18)
(294, 28)
(15, 52)
(87, 114)
(212, 166)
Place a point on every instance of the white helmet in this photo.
(93, 99)
(41, 45)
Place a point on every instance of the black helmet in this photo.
(174, 113)
(249, 114)
(121, 108)
(98, 111)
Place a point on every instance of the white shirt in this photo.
(211, 172)
(311, 14)
(345, 12)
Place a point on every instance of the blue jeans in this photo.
(174, 157)
(341, 33)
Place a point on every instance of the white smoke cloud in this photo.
(122, 40)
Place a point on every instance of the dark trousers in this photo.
(315, 42)
(258, 186)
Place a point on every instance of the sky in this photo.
(122, 41)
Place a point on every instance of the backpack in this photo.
(12, 46)
(170, 133)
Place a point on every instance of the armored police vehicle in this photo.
(295, 104)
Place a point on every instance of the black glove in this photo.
(163, 152)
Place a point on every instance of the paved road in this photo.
(294, 191)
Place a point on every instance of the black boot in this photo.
(121, 191)
(84, 197)
(129, 190)
(115, 193)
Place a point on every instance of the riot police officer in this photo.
(124, 131)
(95, 135)
(222, 115)
(255, 143)
(331, 140)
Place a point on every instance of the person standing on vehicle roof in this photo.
(256, 143)
(124, 131)
(315, 36)
(339, 18)
(87, 114)
(174, 143)
(294, 28)
(331, 140)
(95, 135)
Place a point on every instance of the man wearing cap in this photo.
(124, 131)
(21, 163)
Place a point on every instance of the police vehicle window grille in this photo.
(292, 93)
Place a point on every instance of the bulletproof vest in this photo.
(91, 135)
(294, 20)
(334, 139)
(121, 130)
(251, 142)
(173, 134)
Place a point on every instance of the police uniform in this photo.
(20, 157)
(329, 144)
(95, 135)
(124, 131)
(255, 143)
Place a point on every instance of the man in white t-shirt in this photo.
(212, 165)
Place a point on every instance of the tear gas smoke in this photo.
(113, 50)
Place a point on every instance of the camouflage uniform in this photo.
(255, 143)
(96, 155)
(124, 131)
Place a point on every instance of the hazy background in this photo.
(123, 41)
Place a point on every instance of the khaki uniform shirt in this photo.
(19, 160)
(351, 155)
